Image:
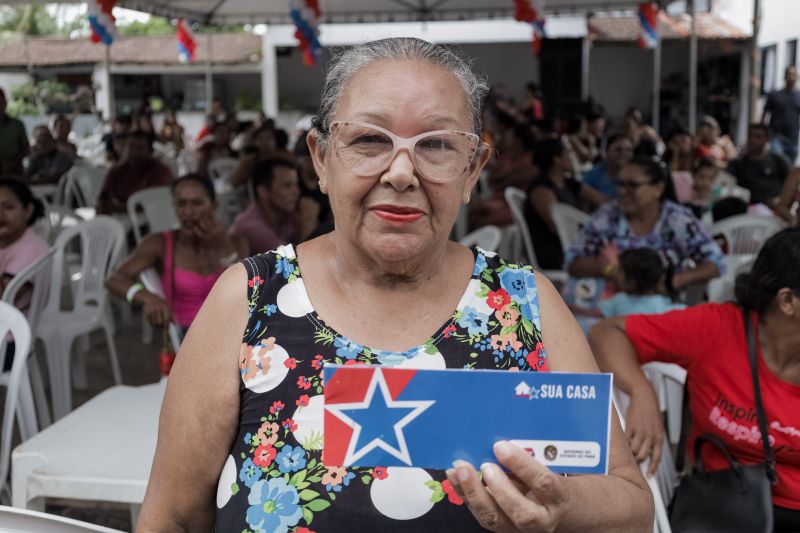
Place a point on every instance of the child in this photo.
(643, 274)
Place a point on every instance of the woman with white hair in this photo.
(397, 151)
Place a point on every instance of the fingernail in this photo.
(488, 470)
(450, 472)
(461, 470)
(502, 450)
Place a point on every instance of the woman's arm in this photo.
(703, 272)
(591, 195)
(541, 198)
(619, 501)
(200, 414)
(615, 354)
(788, 197)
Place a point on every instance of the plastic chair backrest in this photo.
(12, 319)
(516, 199)
(153, 207)
(221, 167)
(17, 520)
(745, 234)
(101, 242)
(55, 219)
(486, 238)
(38, 275)
(569, 221)
(82, 185)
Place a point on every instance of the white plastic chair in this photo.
(723, 288)
(516, 199)
(152, 283)
(12, 319)
(569, 221)
(668, 381)
(187, 163)
(80, 186)
(55, 219)
(220, 168)
(746, 234)
(152, 207)
(487, 238)
(101, 242)
(16, 520)
(36, 276)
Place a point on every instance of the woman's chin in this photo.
(396, 247)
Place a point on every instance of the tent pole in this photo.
(586, 52)
(693, 69)
(657, 78)
(209, 75)
(109, 83)
(755, 64)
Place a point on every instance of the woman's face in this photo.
(13, 216)
(704, 181)
(681, 144)
(707, 134)
(637, 194)
(397, 215)
(192, 204)
(264, 141)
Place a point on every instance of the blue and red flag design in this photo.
(648, 20)
(377, 416)
(102, 22)
(533, 14)
(186, 43)
(305, 14)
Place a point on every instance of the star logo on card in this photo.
(378, 421)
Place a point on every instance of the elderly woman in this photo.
(645, 216)
(709, 341)
(397, 151)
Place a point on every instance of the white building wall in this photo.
(10, 80)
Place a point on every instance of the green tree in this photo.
(153, 27)
(28, 20)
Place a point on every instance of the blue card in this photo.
(377, 416)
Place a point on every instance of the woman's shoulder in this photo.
(677, 214)
(281, 262)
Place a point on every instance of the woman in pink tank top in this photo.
(188, 259)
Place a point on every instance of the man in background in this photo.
(47, 163)
(759, 169)
(782, 116)
(13, 141)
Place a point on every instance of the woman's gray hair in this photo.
(345, 66)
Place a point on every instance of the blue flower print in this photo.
(284, 266)
(249, 473)
(345, 482)
(271, 309)
(475, 322)
(518, 282)
(273, 506)
(247, 438)
(480, 265)
(291, 459)
(347, 349)
(530, 312)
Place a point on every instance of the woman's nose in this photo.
(401, 173)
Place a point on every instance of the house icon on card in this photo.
(523, 390)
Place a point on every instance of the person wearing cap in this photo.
(712, 144)
(13, 141)
(782, 116)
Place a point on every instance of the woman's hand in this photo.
(534, 499)
(645, 427)
(157, 310)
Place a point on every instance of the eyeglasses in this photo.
(439, 156)
(632, 185)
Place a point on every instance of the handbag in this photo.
(738, 498)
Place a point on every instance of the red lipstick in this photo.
(397, 214)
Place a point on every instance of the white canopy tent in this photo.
(334, 12)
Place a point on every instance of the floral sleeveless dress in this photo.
(274, 480)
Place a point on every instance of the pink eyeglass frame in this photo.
(408, 143)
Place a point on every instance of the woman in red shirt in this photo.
(709, 342)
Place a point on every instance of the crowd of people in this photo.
(651, 202)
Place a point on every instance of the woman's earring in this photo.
(467, 197)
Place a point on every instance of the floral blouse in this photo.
(274, 479)
(678, 234)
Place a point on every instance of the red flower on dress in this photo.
(449, 330)
(379, 472)
(303, 530)
(303, 382)
(317, 363)
(302, 401)
(264, 455)
(532, 359)
(353, 362)
(290, 363)
(276, 407)
(255, 281)
(498, 299)
(290, 425)
(452, 495)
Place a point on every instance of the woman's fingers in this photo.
(482, 505)
(547, 487)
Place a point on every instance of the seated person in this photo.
(644, 138)
(62, 127)
(555, 184)
(216, 145)
(710, 342)
(262, 145)
(47, 163)
(581, 142)
(678, 158)
(138, 170)
(171, 132)
(760, 170)
(645, 216)
(120, 128)
(643, 280)
(702, 193)
(188, 259)
(274, 216)
(603, 176)
(13, 141)
(712, 144)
